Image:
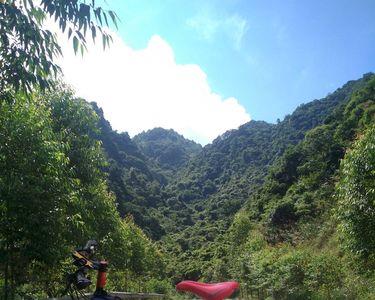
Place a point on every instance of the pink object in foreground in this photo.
(208, 291)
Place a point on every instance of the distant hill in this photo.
(166, 148)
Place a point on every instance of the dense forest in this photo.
(285, 209)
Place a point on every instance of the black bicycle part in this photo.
(79, 280)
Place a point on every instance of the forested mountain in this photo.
(215, 185)
(166, 148)
(247, 152)
(273, 181)
(161, 177)
(230, 168)
(285, 240)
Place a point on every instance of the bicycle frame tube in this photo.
(102, 277)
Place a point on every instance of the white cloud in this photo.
(205, 26)
(237, 28)
(143, 89)
(208, 27)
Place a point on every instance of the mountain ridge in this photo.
(232, 166)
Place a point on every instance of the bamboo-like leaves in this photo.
(75, 44)
(23, 40)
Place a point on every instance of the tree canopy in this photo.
(28, 50)
(54, 195)
(356, 197)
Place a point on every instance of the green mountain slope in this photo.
(167, 149)
(220, 178)
(284, 242)
(132, 178)
(248, 151)
(215, 184)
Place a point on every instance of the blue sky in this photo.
(204, 67)
(290, 52)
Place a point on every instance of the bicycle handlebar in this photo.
(89, 248)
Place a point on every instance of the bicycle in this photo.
(79, 280)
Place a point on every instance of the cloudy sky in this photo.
(203, 67)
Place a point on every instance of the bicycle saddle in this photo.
(208, 291)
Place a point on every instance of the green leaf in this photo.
(104, 41)
(113, 17)
(75, 44)
(70, 31)
(105, 18)
(93, 32)
(82, 49)
(98, 14)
